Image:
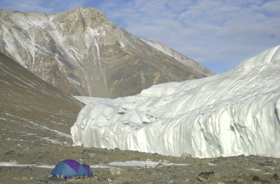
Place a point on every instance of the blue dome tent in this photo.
(71, 168)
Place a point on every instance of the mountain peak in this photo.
(87, 12)
(83, 53)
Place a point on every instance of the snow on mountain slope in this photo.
(179, 57)
(83, 53)
(233, 113)
(31, 109)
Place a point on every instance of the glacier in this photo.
(232, 113)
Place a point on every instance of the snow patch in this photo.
(146, 164)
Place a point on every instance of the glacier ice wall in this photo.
(233, 113)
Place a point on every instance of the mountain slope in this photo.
(31, 109)
(179, 57)
(233, 113)
(83, 53)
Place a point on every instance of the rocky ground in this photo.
(241, 169)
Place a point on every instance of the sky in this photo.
(218, 34)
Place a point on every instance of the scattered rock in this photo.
(256, 178)
(202, 179)
(10, 152)
(204, 176)
(275, 176)
(227, 170)
(52, 179)
(186, 155)
(91, 154)
(116, 170)
(41, 177)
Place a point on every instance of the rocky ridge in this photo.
(179, 57)
(83, 53)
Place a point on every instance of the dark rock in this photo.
(256, 178)
(206, 174)
(9, 152)
(275, 176)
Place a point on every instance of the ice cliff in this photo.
(233, 113)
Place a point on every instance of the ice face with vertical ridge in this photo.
(233, 113)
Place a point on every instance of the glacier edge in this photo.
(233, 113)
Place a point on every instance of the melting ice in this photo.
(233, 113)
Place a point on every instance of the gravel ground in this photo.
(241, 169)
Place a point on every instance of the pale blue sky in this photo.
(216, 33)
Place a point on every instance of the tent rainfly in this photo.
(71, 168)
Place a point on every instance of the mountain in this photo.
(83, 53)
(232, 113)
(179, 57)
(31, 109)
